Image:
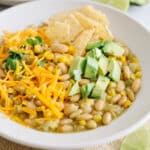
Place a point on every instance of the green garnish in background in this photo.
(139, 2)
(123, 4)
(138, 140)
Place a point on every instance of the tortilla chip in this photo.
(59, 16)
(75, 26)
(100, 29)
(58, 31)
(82, 40)
(89, 11)
(85, 21)
(66, 26)
(103, 32)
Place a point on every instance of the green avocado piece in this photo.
(77, 75)
(97, 44)
(74, 90)
(111, 48)
(114, 70)
(95, 53)
(103, 65)
(100, 87)
(139, 2)
(91, 68)
(77, 67)
(87, 89)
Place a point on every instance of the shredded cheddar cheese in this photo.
(42, 82)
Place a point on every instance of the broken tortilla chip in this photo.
(82, 40)
(89, 11)
(58, 31)
(75, 26)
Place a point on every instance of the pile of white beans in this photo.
(80, 115)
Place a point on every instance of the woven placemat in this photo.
(7, 145)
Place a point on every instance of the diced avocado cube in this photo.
(77, 67)
(103, 65)
(97, 44)
(100, 87)
(87, 89)
(114, 70)
(74, 90)
(97, 93)
(91, 68)
(95, 53)
(111, 48)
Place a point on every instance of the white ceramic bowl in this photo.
(123, 28)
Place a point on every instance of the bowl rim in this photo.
(72, 146)
(92, 143)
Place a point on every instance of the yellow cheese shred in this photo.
(39, 81)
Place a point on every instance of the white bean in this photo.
(130, 94)
(59, 48)
(63, 68)
(122, 100)
(66, 121)
(120, 86)
(136, 85)
(99, 105)
(31, 105)
(86, 107)
(107, 117)
(70, 108)
(66, 128)
(126, 72)
(85, 116)
(116, 98)
(75, 114)
(91, 124)
(58, 56)
(75, 98)
(65, 77)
